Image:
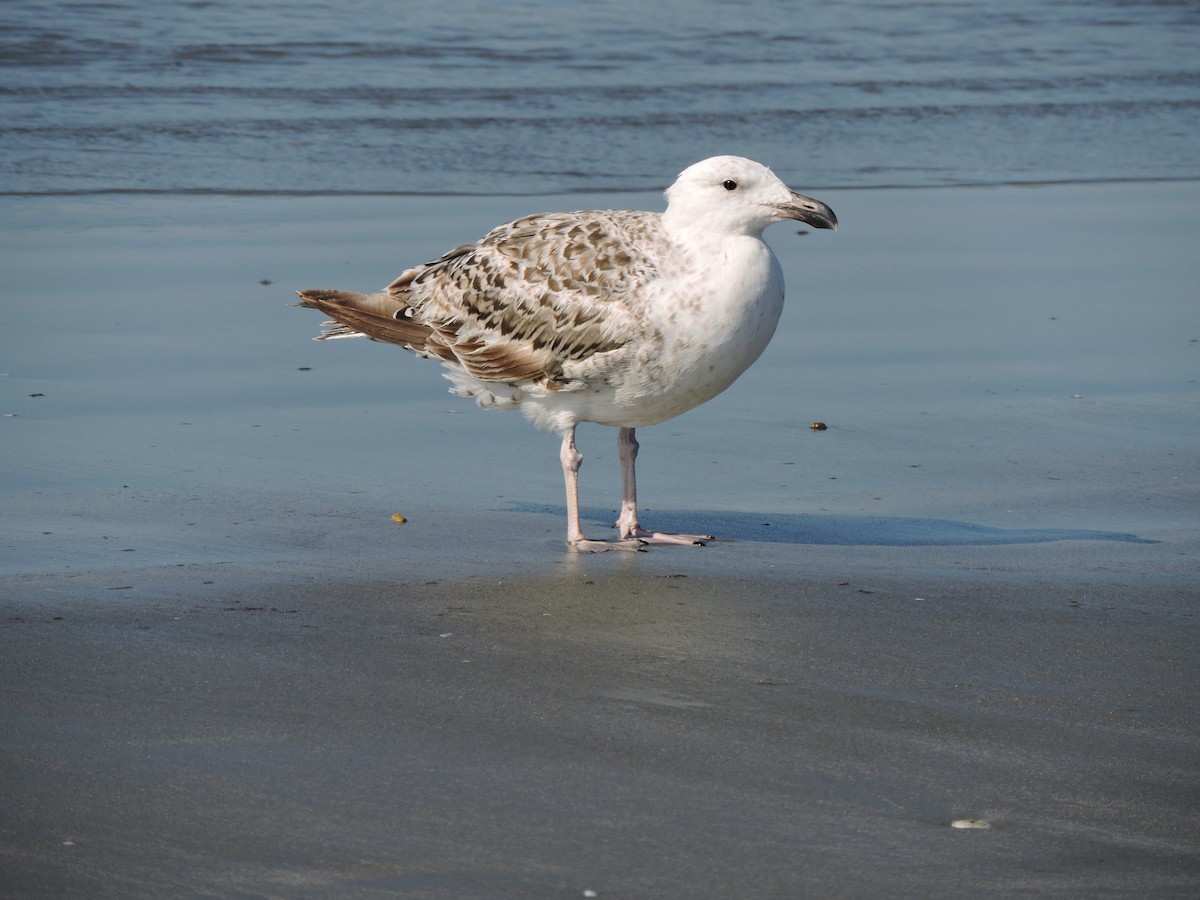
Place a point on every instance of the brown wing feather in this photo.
(375, 315)
(531, 296)
(536, 293)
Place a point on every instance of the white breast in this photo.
(703, 330)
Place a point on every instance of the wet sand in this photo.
(227, 672)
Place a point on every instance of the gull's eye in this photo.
(729, 184)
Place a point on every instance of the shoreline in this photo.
(232, 192)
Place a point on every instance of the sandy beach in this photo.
(973, 599)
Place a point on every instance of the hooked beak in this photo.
(805, 209)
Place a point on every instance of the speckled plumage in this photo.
(620, 317)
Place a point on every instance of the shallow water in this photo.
(544, 97)
(943, 334)
(1009, 379)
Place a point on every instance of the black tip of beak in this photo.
(818, 215)
(811, 212)
(823, 219)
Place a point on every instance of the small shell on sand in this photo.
(970, 823)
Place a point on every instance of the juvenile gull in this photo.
(620, 317)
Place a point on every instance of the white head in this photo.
(734, 195)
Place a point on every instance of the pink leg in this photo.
(572, 459)
(627, 449)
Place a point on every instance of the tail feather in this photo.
(379, 316)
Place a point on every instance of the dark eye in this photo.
(729, 184)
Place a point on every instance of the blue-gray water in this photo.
(543, 96)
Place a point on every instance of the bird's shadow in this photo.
(845, 531)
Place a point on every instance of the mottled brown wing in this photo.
(536, 293)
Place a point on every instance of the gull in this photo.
(619, 317)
